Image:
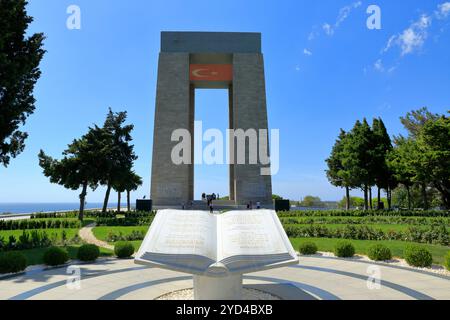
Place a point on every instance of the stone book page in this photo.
(182, 239)
(251, 239)
(199, 242)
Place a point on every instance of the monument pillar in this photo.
(172, 184)
(250, 112)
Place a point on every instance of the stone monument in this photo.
(216, 60)
(216, 249)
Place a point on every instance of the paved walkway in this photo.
(87, 236)
(315, 277)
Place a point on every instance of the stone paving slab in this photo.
(314, 277)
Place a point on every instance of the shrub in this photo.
(344, 249)
(418, 256)
(12, 262)
(447, 261)
(55, 256)
(123, 249)
(379, 252)
(88, 252)
(307, 248)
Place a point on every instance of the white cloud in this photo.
(443, 10)
(307, 52)
(413, 38)
(328, 29)
(379, 65)
(297, 68)
(344, 13)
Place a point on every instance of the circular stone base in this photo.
(248, 294)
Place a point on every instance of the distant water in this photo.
(16, 208)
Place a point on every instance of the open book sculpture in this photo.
(216, 246)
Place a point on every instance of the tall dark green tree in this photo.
(78, 169)
(360, 151)
(339, 171)
(118, 154)
(131, 182)
(382, 147)
(20, 56)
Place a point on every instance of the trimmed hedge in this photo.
(344, 249)
(123, 249)
(394, 220)
(365, 213)
(135, 235)
(27, 224)
(308, 248)
(88, 214)
(447, 261)
(432, 235)
(88, 252)
(418, 256)
(55, 256)
(12, 262)
(125, 222)
(379, 252)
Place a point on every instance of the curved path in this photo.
(315, 277)
(87, 236)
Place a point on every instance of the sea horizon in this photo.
(36, 207)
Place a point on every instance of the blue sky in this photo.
(324, 68)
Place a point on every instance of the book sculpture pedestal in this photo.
(216, 249)
(222, 288)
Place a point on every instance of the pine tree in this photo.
(382, 145)
(20, 57)
(79, 168)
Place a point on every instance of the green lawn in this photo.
(362, 246)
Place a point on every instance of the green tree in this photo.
(382, 147)
(339, 170)
(415, 160)
(416, 119)
(312, 202)
(117, 154)
(360, 159)
(400, 163)
(131, 182)
(354, 202)
(434, 147)
(79, 167)
(20, 56)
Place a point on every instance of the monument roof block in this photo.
(211, 42)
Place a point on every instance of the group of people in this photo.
(209, 199)
(250, 205)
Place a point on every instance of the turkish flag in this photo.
(211, 72)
